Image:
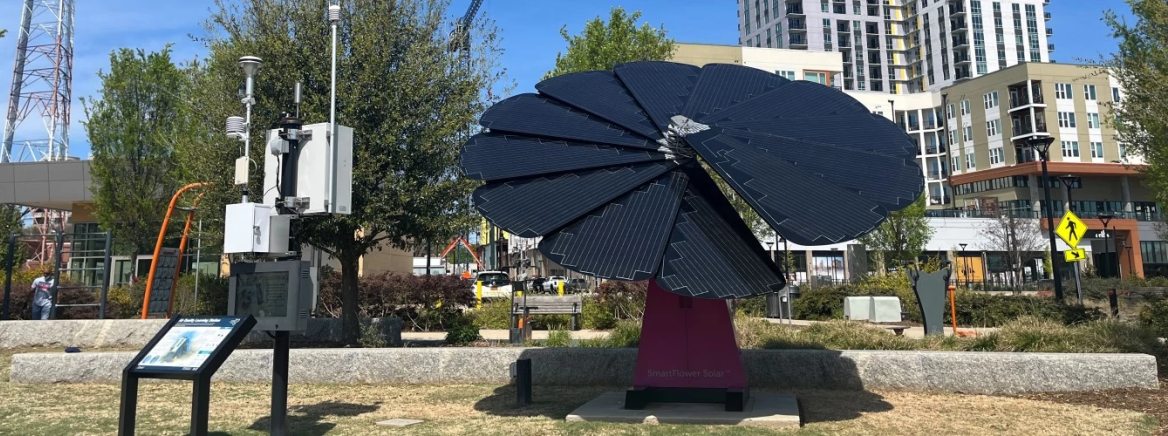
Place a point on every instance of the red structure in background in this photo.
(688, 353)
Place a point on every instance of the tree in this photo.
(602, 46)
(1017, 237)
(133, 127)
(901, 238)
(1140, 66)
(408, 99)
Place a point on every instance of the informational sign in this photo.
(1075, 255)
(163, 286)
(1071, 229)
(189, 343)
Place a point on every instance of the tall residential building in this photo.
(903, 46)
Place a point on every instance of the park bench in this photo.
(549, 305)
(898, 329)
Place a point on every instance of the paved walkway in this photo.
(912, 332)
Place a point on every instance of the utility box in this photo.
(251, 228)
(312, 174)
(857, 308)
(885, 309)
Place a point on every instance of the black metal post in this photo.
(964, 266)
(1042, 146)
(129, 407)
(1118, 273)
(1107, 248)
(289, 162)
(523, 381)
(9, 260)
(200, 406)
(280, 385)
(105, 281)
(428, 261)
(60, 239)
(1113, 301)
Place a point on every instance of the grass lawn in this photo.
(73, 409)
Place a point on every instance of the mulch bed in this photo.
(1150, 401)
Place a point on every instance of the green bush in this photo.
(753, 306)
(212, 298)
(371, 337)
(559, 338)
(596, 316)
(495, 314)
(462, 330)
(1154, 316)
(626, 334)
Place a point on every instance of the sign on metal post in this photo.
(1075, 255)
(1071, 229)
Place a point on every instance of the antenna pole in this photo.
(334, 14)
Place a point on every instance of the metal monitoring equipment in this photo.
(312, 170)
(278, 294)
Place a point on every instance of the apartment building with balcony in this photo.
(903, 46)
(988, 122)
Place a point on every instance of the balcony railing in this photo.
(1029, 213)
(1026, 128)
(1022, 100)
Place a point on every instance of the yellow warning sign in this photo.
(1071, 229)
(1075, 255)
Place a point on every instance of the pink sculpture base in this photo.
(688, 353)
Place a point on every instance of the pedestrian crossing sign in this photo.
(1071, 229)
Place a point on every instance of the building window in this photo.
(820, 78)
(990, 99)
(1066, 119)
(786, 74)
(997, 155)
(1097, 150)
(1122, 152)
(952, 139)
(964, 107)
(968, 133)
(1062, 91)
(1089, 92)
(970, 161)
(993, 127)
(824, 6)
(1092, 120)
(1115, 95)
(1070, 148)
(949, 111)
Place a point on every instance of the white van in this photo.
(496, 284)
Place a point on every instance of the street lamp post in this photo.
(1106, 219)
(1041, 144)
(964, 265)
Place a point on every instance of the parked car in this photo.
(496, 284)
(536, 285)
(553, 284)
(578, 285)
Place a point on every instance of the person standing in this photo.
(42, 297)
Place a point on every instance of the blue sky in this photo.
(529, 30)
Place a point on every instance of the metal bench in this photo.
(526, 306)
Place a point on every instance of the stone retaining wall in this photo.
(968, 372)
(135, 333)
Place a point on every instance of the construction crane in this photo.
(460, 36)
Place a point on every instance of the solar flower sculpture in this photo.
(610, 169)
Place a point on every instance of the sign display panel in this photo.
(262, 294)
(189, 343)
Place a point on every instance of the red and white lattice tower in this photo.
(42, 88)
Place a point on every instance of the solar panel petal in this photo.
(723, 85)
(537, 115)
(536, 206)
(863, 132)
(661, 88)
(601, 94)
(625, 239)
(495, 156)
(798, 99)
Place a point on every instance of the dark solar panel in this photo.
(624, 239)
(586, 165)
(660, 87)
(496, 156)
(538, 205)
(600, 93)
(536, 115)
(724, 85)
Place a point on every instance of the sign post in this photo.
(1071, 230)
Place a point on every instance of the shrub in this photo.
(558, 338)
(462, 330)
(626, 334)
(596, 316)
(1154, 316)
(212, 295)
(423, 303)
(124, 302)
(495, 314)
(753, 306)
(371, 337)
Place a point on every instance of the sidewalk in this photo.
(911, 332)
(501, 335)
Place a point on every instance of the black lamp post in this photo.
(1041, 144)
(964, 265)
(771, 249)
(1106, 219)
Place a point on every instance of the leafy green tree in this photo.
(407, 97)
(1140, 65)
(901, 238)
(603, 45)
(133, 127)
